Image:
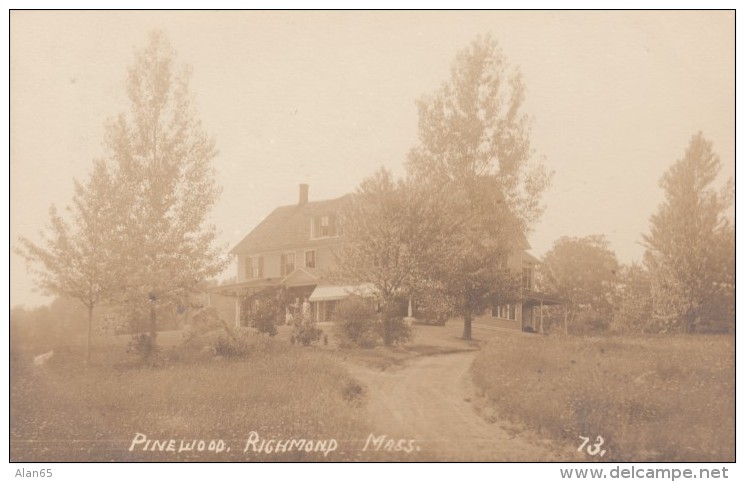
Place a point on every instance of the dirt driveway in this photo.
(431, 400)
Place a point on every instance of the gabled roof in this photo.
(289, 227)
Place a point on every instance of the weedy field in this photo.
(63, 411)
(655, 398)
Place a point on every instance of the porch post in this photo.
(411, 311)
(237, 312)
(565, 320)
(541, 329)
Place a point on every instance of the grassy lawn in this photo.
(63, 411)
(665, 398)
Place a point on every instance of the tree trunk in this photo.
(386, 330)
(90, 334)
(467, 327)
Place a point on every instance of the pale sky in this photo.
(326, 98)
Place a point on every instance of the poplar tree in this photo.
(690, 245)
(162, 160)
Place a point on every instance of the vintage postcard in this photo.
(373, 236)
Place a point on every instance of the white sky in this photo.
(327, 97)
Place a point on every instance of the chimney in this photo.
(303, 194)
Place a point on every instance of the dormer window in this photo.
(324, 226)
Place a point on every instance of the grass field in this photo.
(63, 411)
(665, 398)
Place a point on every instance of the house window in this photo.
(324, 226)
(254, 267)
(288, 263)
(310, 259)
(505, 312)
(528, 278)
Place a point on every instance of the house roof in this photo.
(529, 258)
(289, 227)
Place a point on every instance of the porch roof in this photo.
(332, 292)
(533, 298)
(236, 289)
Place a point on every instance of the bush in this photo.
(144, 346)
(399, 331)
(265, 326)
(232, 347)
(357, 323)
(305, 334)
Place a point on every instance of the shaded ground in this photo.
(431, 399)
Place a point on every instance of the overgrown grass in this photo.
(662, 398)
(63, 411)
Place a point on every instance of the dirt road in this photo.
(431, 400)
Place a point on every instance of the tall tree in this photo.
(474, 146)
(162, 157)
(75, 258)
(690, 245)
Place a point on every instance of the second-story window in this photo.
(288, 263)
(253, 267)
(528, 278)
(324, 226)
(310, 259)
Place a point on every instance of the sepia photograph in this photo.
(373, 236)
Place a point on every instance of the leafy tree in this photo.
(473, 126)
(690, 245)
(165, 185)
(390, 233)
(474, 152)
(74, 260)
(583, 271)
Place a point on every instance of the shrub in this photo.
(357, 323)
(265, 326)
(144, 346)
(305, 334)
(232, 346)
(399, 331)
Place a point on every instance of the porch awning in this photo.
(332, 292)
